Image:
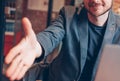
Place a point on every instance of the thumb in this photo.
(27, 26)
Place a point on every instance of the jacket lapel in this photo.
(83, 33)
(110, 29)
(108, 37)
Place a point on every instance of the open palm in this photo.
(21, 57)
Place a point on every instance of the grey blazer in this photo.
(70, 62)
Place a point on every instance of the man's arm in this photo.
(51, 37)
(21, 57)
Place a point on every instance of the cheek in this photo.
(108, 3)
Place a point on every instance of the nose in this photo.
(95, 0)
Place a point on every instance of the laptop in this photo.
(109, 65)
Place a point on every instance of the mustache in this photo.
(93, 4)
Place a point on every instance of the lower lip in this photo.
(96, 7)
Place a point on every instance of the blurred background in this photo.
(40, 13)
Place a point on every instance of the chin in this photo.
(98, 12)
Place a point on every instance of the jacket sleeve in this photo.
(52, 35)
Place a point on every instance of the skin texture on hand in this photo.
(21, 57)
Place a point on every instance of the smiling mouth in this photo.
(95, 4)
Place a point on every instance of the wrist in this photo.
(38, 50)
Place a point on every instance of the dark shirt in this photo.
(96, 34)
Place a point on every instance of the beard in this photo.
(94, 13)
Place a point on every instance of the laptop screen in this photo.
(109, 65)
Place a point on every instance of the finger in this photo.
(17, 71)
(14, 52)
(27, 26)
(13, 66)
(22, 73)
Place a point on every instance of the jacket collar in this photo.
(110, 29)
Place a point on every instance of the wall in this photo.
(116, 6)
(38, 18)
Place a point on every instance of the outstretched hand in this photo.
(21, 57)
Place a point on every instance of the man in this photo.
(82, 42)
